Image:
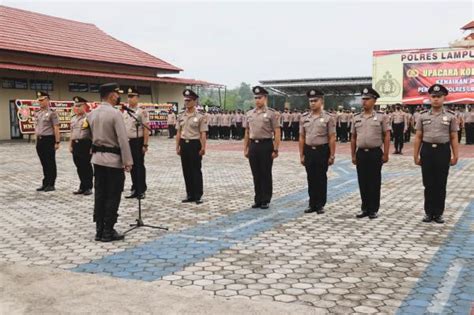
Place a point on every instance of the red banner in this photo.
(158, 114)
(457, 77)
(26, 110)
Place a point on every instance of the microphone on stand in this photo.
(125, 108)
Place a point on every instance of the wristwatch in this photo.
(145, 145)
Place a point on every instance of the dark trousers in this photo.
(138, 171)
(233, 130)
(316, 164)
(286, 131)
(344, 131)
(295, 126)
(469, 127)
(108, 187)
(408, 134)
(435, 169)
(369, 175)
(171, 131)
(239, 131)
(47, 156)
(81, 155)
(191, 162)
(398, 136)
(459, 134)
(261, 163)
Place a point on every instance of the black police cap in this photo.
(132, 92)
(437, 89)
(79, 100)
(188, 93)
(313, 93)
(42, 94)
(258, 90)
(369, 92)
(109, 87)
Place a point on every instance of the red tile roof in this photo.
(36, 33)
(468, 26)
(86, 73)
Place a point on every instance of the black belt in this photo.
(81, 140)
(316, 147)
(436, 145)
(261, 140)
(189, 140)
(369, 149)
(45, 137)
(104, 149)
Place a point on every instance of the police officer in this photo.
(191, 146)
(111, 156)
(317, 146)
(286, 117)
(138, 143)
(469, 125)
(399, 127)
(261, 142)
(80, 146)
(370, 131)
(47, 140)
(171, 121)
(436, 135)
(238, 125)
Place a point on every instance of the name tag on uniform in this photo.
(426, 122)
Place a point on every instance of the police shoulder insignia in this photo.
(271, 109)
(451, 112)
(356, 114)
(305, 114)
(85, 124)
(424, 111)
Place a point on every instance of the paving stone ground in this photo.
(332, 262)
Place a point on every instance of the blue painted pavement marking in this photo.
(172, 252)
(447, 284)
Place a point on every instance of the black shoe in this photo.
(439, 220)
(320, 211)
(141, 196)
(362, 215)
(310, 210)
(99, 229)
(78, 192)
(199, 201)
(132, 195)
(373, 216)
(427, 219)
(187, 200)
(256, 205)
(264, 206)
(40, 188)
(87, 192)
(111, 235)
(49, 188)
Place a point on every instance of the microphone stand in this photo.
(139, 220)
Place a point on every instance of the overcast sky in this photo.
(230, 42)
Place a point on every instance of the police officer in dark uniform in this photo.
(47, 140)
(138, 143)
(191, 146)
(111, 156)
(370, 131)
(317, 146)
(80, 146)
(436, 135)
(261, 142)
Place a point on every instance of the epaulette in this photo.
(356, 114)
(451, 112)
(272, 109)
(424, 111)
(305, 114)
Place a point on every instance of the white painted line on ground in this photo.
(441, 298)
